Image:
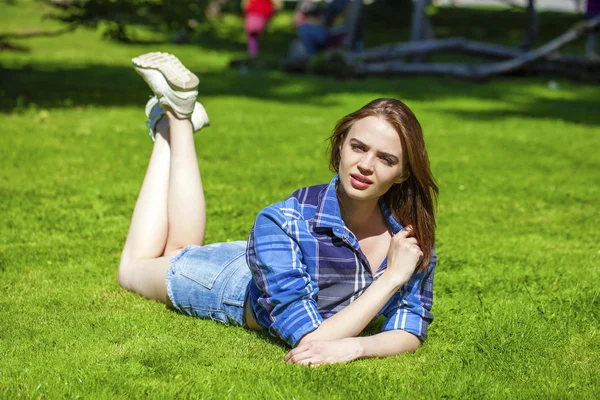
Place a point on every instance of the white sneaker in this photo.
(173, 84)
(155, 112)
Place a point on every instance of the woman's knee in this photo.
(124, 275)
(145, 277)
(128, 266)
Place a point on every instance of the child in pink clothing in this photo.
(256, 16)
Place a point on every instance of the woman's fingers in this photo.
(305, 358)
(293, 357)
(402, 239)
(310, 363)
(411, 240)
(403, 233)
(309, 360)
(303, 355)
(299, 353)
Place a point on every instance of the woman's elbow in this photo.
(413, 345)
(410, 342)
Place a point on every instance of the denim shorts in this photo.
(211, 281)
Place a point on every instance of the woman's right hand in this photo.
(403, 256)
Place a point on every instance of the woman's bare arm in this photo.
(385, 344)
(402, 257)
(350, 321)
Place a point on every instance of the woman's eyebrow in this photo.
(380, 153)
(384, 154)
(358, 142)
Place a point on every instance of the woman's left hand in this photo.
(319, 352)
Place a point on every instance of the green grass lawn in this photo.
(517, 288)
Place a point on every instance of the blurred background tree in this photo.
(174, 16)
(118, 15)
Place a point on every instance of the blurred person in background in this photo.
(314, 27)
(257, 14)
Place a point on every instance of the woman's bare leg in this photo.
(141, 269)
(186, 205)
(149, 224)
(169, 214)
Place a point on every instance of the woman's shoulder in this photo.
(301, 204)
(310, 195)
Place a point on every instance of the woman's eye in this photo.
(387, 161)
(357, 147)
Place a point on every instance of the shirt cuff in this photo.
(409, 322)
(299, 319)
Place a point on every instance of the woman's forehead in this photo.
(375, 132)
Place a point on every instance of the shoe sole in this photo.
(176, 74)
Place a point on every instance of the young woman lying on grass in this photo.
(318, 266)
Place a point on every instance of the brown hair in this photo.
(413, 201)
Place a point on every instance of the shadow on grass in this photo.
(60, 86)
(98, 85)
(7, 46)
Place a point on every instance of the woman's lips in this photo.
(360, 182)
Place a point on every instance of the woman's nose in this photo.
(365, 164)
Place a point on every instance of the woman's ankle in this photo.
(162, 129)
(171, 116)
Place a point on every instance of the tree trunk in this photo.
(352, 24)
(518, 60)
(420, 26)
(402, 50)
(532, 26)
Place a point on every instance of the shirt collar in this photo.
(328, 213)
(394, 225)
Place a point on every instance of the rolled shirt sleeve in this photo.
(287, 291)
(410, 308)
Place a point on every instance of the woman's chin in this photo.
(359, 193)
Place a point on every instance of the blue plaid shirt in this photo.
(307, 265)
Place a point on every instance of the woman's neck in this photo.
(360, 216)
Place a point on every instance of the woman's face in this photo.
(371, 159)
